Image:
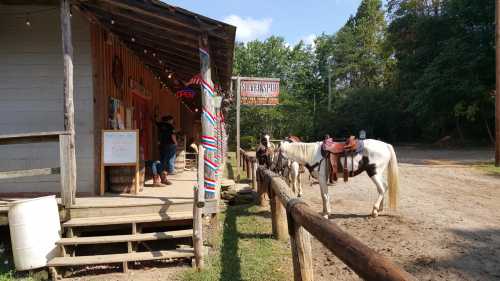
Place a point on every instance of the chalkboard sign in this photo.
(120, 147)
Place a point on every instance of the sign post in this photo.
(253, 91)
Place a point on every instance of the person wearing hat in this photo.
(168, 147)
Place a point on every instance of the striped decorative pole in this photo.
(208, 121)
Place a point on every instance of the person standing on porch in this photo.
(168, 147)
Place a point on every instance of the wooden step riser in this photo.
(176, 234)
(129, 210)
(119, 258)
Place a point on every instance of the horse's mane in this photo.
(302, 152)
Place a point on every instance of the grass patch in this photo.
(489, 168)
(245, 249)
(7, 271)
(231, 168)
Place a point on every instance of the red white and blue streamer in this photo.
(210, 185)
(209, 116)
(211, 164)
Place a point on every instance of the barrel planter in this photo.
(122, 179)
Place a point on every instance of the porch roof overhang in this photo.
(165, 37)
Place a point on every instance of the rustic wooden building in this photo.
(130, 58)
(70, 69)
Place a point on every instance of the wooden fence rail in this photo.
(293, 218)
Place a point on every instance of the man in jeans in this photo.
(168, 146)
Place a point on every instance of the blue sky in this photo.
(292, 19)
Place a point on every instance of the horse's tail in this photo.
(393, 179)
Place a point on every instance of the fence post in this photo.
(254, 174)
(198, 204)
(300, 242)
(278, 215)
(262, 190)
(249, 169)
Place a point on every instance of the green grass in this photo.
(231, 172)
(7, 271)
(489, 168)
(245, 250)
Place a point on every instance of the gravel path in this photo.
(447, 226)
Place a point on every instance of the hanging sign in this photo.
(259, 91)
(187, 93)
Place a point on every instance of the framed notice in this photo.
(259, 91)
(120, 148)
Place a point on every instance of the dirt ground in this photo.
(447, 226)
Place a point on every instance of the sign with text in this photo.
(120, 147)
(259, 91)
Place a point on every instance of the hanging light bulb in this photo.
(170, 75)
(112, 21)
(133, 39)
(161, 62)
(145, 51)
(28, 22)
(154, 54)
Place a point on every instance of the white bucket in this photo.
(34, 230)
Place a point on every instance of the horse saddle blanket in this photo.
(335, 150)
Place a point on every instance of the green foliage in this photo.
(427, 73)
(248, 142)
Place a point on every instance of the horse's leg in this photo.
(378, 181)
(299, 182)
(323, 184)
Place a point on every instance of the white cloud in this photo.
(309, 40)
(248, 29)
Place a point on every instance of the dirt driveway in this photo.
(447, 226)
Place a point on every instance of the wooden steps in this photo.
(114, 220)
(119, 258)
(130, 209)
(126, 238)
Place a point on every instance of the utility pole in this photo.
(329, 63)
(497, 94)
(238, 111)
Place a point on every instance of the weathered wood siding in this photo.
(31, 96)
(105, 47)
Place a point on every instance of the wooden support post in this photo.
(278, 216)
(300, 242)
(69, 108)
(208, 103)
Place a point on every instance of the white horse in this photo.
(375, 158)
(290, 170)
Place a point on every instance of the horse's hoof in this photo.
(300, 194)
(374, 213)
(326, 216)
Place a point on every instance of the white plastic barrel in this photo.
(34, 230)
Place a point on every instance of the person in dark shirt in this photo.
(168, 147)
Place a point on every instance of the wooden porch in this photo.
(151, 201)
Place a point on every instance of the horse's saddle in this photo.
(334, 150)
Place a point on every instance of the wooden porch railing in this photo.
(67, 191)
(292, 217)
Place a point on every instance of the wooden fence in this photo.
(63, 137)
(293, 218)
